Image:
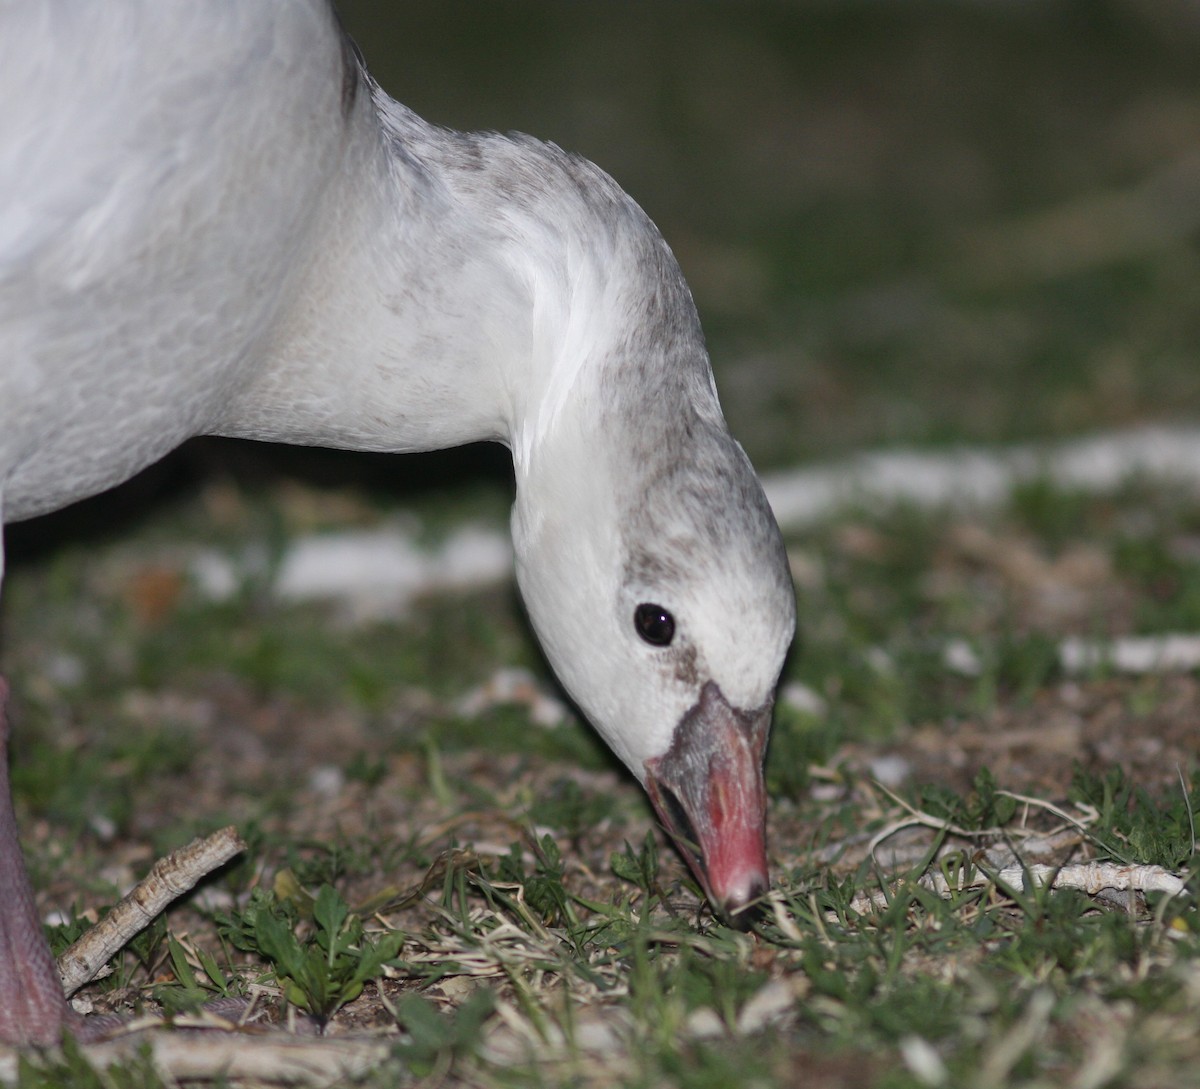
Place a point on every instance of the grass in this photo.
(491, 895)
(860, 213)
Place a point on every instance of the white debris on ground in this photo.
(890, 769)
(385, 568)
(800, 697)
(514, 687)
(1177, 652)
(976, 477)
(960, 657)
(326, 780)
(1174, 653)
(218, 576)
(371, 573)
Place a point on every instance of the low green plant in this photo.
(1134, 827)
(544, 890)
(320, 966)
(639, 866)
(191, 989)
(435, 1038)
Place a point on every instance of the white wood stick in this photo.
(230, 1058)
(168, 879)
(1089, 877)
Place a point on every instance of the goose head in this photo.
(651, 566)
(666, 614)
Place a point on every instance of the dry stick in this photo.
(918, 817)
(1089, 877)
(231, 1059)
(168, 879)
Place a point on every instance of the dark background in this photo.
(903, 222)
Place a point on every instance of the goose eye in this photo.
(654, 624)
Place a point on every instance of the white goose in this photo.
(213, 222)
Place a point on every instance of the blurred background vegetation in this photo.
(909, 222)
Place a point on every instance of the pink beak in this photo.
(708, 791)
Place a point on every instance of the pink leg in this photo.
(32, 1007)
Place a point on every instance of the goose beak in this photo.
(708, 791)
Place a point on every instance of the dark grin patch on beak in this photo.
(678, 826)
(708, 791)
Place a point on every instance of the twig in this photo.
(168, 879)
(920, 817)
(1089, 877)
(232, 1058)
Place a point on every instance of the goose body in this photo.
(213, 222)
